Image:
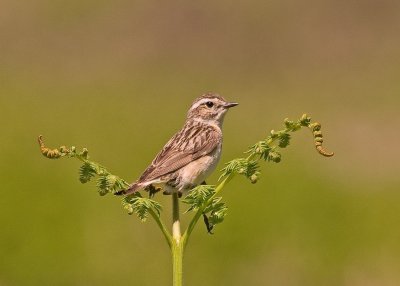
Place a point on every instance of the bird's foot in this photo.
(209, 226)
(152, 190)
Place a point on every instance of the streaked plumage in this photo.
(192, 153)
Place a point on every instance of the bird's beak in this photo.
(230, 104)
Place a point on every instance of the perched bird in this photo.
(192, 154)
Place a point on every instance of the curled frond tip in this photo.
(317, 134)
(47, 152)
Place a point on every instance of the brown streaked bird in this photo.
(192, 154)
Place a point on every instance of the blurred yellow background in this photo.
(118, 76)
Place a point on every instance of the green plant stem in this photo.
(177, 242)
(177, 257)
(176, 224)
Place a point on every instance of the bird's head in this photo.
(209, 107)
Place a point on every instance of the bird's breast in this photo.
(197, 171)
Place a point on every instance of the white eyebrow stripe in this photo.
(200, 102)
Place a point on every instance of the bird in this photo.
(192, 154)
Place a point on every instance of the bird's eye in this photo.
(209, 104)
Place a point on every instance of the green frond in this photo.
(213, 204)
(215, 213)
(274, 156)
(234, 166)
(291, 125)
(141, 210)
(284, 140)
(127, 205)
(198, 196)
(103, 185)
(156, 206)
(248, 168)
(108, 183)
(86, 172)
(259, 149)
(84, 154)
(137, 204)
(251, 168)
(141, 207)
(305, 120)
(218, 215)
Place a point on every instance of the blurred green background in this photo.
(118, 76)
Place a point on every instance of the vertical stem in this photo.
(176, 224)
(177, 242)
(177, 256)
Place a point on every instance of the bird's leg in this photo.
(209, 226)
(152, 190)
(207, 223)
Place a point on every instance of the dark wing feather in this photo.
(192, 142)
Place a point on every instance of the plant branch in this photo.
(177, 243)
(108, 182)
(204, 199)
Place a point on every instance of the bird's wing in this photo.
(191, 143)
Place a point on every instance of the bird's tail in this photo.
(132, 189)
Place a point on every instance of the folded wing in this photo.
(184, 147)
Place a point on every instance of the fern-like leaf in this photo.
(214, 213)
(284, 140)
(141, 206)
(198, 196)
(86, 172)
(242, 166)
